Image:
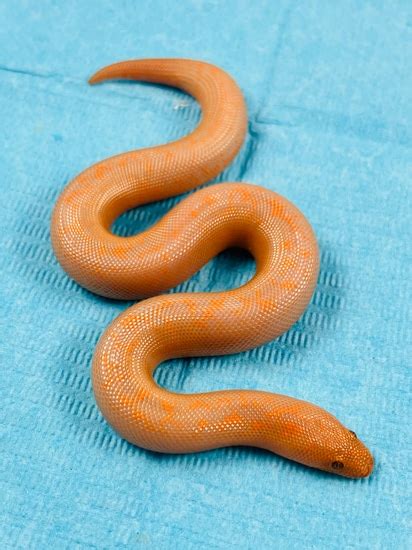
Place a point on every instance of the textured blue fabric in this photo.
(328, 85)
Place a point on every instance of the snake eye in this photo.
(337, 465)
(353, 433)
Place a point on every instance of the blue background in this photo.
(328, 86)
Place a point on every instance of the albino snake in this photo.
(194, 324)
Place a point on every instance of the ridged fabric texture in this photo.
(328, 89)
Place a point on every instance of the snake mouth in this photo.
(368, 469)
(362, 469)
(368, 462)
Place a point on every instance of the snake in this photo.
(163, 325)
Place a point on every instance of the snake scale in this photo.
(164, 326)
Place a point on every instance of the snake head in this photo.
(312, 436)
(351, 458)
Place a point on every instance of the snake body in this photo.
(165, 326)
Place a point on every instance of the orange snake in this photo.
(194, 324)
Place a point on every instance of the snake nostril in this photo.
(337, 465)
(353, 433)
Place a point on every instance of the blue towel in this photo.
(328, 86)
